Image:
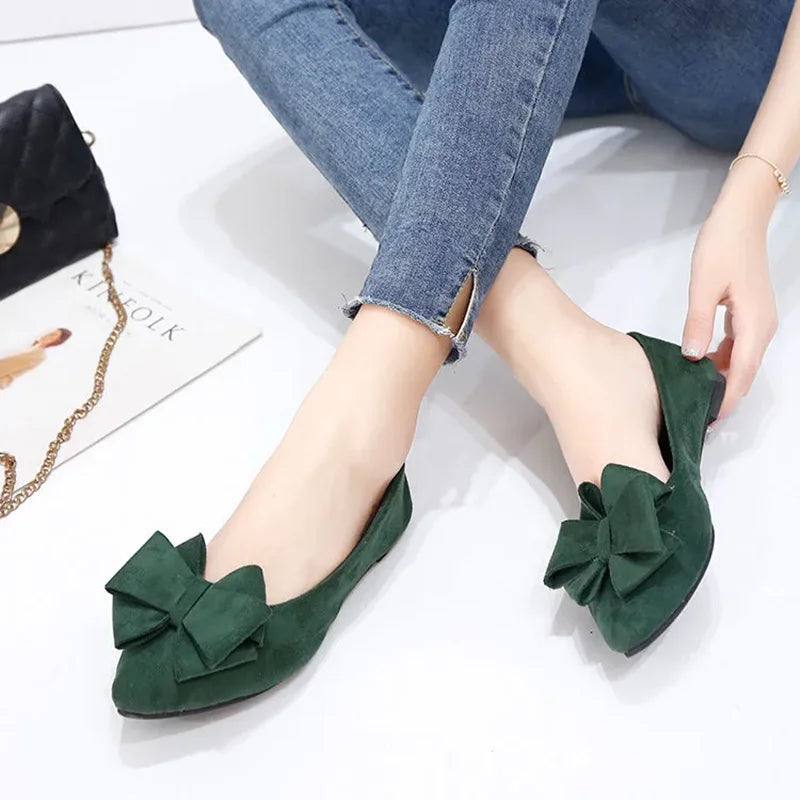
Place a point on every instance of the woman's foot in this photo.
(602, 400)
(595, 383)
(310, 503)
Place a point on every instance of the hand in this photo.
(730, 268)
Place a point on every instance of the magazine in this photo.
(52, 332)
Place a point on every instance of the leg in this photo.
(495, 101)
(314, 66)
(596, 385)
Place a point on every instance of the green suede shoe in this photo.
(190, 645)
(641, 547)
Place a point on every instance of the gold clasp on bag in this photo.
(10, 228)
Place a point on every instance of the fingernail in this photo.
(691, 350)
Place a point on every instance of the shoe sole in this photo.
(713, 411)
(191, 711)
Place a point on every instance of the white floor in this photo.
(452, 672)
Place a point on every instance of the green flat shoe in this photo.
(641, 546)
(191, 645)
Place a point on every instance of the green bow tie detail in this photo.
(219, 625)
(618, 536)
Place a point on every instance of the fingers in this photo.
(722, 355)
(699, 327)
(745, 358)
(739, 355)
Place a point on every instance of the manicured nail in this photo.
(691, 350)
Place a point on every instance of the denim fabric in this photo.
(433, 118)
(700, 65)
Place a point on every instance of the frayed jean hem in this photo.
(459, 339)
(459, 344)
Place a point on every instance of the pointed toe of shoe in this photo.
(630, 625)
(149, 685)
(145, 687)
(144, 684)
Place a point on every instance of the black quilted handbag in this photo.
(54, 206)
(54, 210)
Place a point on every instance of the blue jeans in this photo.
(433, 118)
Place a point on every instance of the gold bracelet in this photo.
(776, 170)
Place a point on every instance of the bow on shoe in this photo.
(220, 625)
(618, 535)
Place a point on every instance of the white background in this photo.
(24, 19)
(451, 671)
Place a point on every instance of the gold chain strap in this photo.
(10, 500)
